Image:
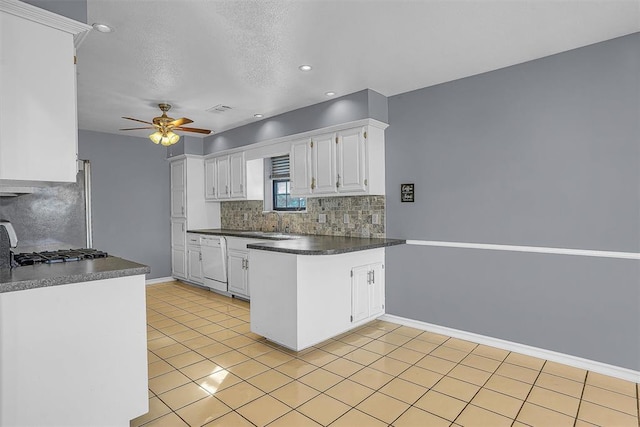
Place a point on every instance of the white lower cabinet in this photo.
(179, 263)
(194, 272)
(238, 268)
(179, 248)
(367, 291)
(300, 300)
(238, 265)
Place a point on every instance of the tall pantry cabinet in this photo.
(188, 208)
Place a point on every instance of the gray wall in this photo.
(74, 9)
(355, 106)
(130, 192)
(545, 153)
(187, 145)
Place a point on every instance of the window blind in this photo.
(280, 167)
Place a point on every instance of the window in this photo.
(281, 189)
(282, 200)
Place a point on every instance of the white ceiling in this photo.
(196, 54)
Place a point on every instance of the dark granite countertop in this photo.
(300, 244)
(266, 235)
(42, 275)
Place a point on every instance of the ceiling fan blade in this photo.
(147, 127)
(137, 120)
(205, 131)
(180, 122)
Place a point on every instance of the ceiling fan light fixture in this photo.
(172, 137)
(156, 137)
(305, 67)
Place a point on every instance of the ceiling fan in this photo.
(165, 126)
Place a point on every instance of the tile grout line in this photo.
(584, 386)
(481, 387)
(529, 393)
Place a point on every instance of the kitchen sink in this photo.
(271, 235)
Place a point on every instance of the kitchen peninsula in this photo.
(308, 288)
(316, 287)
(73, 343)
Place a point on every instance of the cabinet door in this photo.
(222, 177)
(238, 176)
(300, 168)
(360, 293)
(210, 175)
(376, 289)
(178, 233)
(194, 257)
(178, 262)
(237, 265)
(38, 117)
(178, 189)
(324, 163)
(351, 160)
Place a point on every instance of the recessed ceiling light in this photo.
(305, 68)
(103, 28)
(330, 93)
(258, 116)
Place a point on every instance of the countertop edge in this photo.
(21, 285)
(335, 251)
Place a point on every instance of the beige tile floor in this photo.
(207, 368)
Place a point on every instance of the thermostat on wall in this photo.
(406, 193)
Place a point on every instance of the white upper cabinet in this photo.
(351, 154)
(231, 177)
(222, 177)
(238, 176)
(300, 167)
(210, 177)
(38, 117)
(341, 160)
(323, 158)
(346, 162)
(178, 190)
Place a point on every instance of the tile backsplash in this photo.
(359, 208)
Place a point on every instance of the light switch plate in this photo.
(346, 218)
(375, 219)
(246, 216)
(322, 218)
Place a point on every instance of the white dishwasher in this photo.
(214, 262)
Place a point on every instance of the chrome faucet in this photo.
(279, 222)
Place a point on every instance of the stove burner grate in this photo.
(53, 257)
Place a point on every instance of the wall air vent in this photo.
(217, 109)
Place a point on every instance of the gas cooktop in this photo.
(52, 257)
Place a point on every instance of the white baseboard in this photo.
(160, 280)
(566, 359)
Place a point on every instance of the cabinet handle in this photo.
(246, 263)
(182, 226)
(243, 263)
(368, 277)
(200, 256)
(241, 188)
(226, 189)
(182, 208)
(313, 183)
(338, 182)
(373, 276)
(213, 190)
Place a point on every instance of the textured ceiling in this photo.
(196, 54)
